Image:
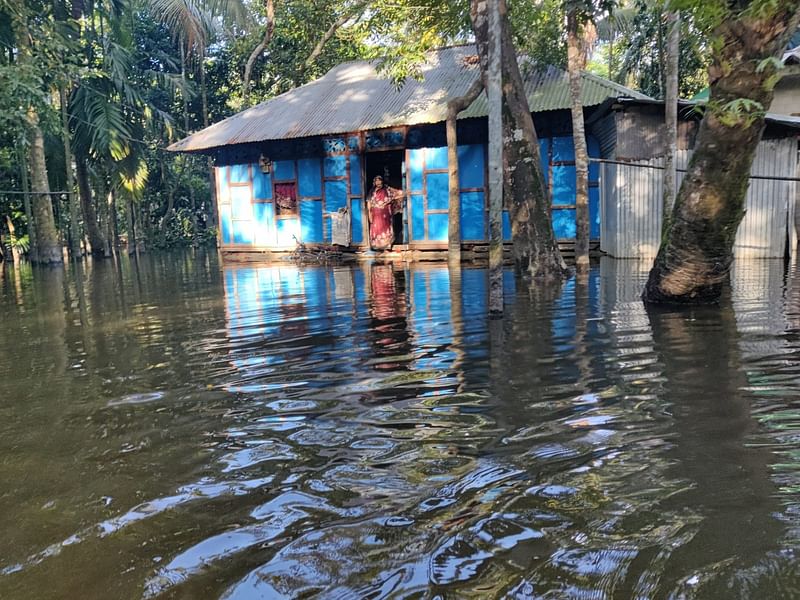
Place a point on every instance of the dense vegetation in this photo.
(108, 84)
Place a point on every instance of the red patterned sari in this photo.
(382, 204)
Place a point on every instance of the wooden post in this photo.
(494, 93)
(454, 202)
(455, 106)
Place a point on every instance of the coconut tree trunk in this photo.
(536, 253)
(113, 226)
(96, 237)
(189, 159)
(72, 198)
(575, 64)
(671, 114)
(455, 106)
(33, 249)
(696, 251)
(129, 225)
(212, 181)
(49, 249)
(12, 235)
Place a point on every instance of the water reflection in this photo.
(365, 431)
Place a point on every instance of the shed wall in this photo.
(632, 195)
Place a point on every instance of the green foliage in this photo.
(741, 112)
(643, 45)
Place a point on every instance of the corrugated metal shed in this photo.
(631, 205)
(355, 97)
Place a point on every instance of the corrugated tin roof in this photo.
(771, 118)
(792, 57)
(354, 97)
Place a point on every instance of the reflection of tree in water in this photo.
(727, 502)
(388, 325)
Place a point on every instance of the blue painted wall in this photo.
(325, 184)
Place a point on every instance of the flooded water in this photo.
(174, 428)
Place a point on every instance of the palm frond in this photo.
(187, 20)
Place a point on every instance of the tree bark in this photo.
(671, 114)
(33, 249)
(113, 226)
(575, 64)
(96, 239)
(12, 235)
(212, 181)
(455, 106)
(494, 94)
(131, 226)
(269, 9)
(536, 253)
(188, 158)
(49, 249)
(72, 199)
(696, 252)
(340, 22)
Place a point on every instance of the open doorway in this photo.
(389, 164)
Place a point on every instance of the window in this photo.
(286, 199)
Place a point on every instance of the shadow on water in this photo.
(170, 428)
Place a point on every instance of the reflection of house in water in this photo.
(371, 332)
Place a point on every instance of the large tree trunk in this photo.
(96, 238)
(575, 64)
(671, 114)
(49, 249)
(269, 10)
(455, 106)
(536, 253)
(696, 251)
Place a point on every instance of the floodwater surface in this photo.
(175, 428)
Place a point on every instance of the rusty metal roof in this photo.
(353, 97)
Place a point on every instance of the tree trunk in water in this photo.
(96, 238)
(49, 250)
(72, 198)
(113, 226)
(696, 251)
(188, 158)
(269, 9)
(12, 238)
(671, 115)
(129, 208)
(455, 106)
(575, 64)
(536, 253)
(168, 214)
(212, 181)
(103, 200)
(494, 96)
(33, 250)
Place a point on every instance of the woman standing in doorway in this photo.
(383, 202)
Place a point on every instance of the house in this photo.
(287, 168)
